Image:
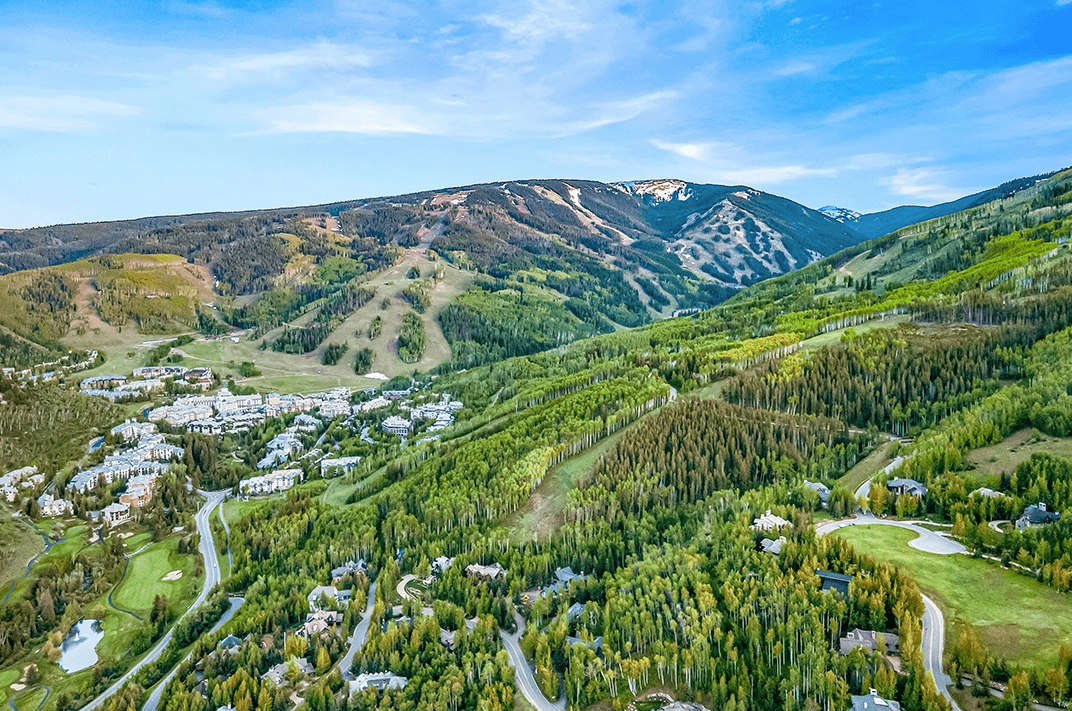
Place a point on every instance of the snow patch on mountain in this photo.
(841, 214)
(660, 190)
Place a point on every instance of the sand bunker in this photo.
(18, 687)
(124, 535)
(173, 575)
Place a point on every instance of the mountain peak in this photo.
(841, 214)
(659, 190)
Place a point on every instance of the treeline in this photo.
(896, 381)
(484, 327)
(687, 452)
(333, 312)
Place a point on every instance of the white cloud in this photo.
(60, 113)
(728, 163)
(350, 116)
(321, 55)
(1061, 3)
(205, 9)
(924, 184)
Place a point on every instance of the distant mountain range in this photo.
(877, 224)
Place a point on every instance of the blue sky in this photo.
(114, 109)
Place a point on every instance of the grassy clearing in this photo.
(234, 510)
(19, 542)
(833, 337)
(542, 515)
(1015, 617)
(868, 467)
(143, 580)
(1003, 458)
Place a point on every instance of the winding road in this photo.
(357, 639)
(153, 701)
(212, 578)
(932, 628)
(523, 676)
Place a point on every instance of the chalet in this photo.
(380, 681)
(774, 547)
(230, 644)
(563, 577)
(769, 522)
(873, 702)
(318, 622)
(491, 572)
(350, 567)
(278, 674)
(1036, 515)
(575, 611)
(821, 489)
(906, 487)
(440, 564)
(595, 644)
(869, 640)
(834, 581)
(985, 493)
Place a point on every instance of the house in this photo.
(491, 572)
(350, 567)
(199, 377)
(130, 430)
(446, 638)
(575, 611)
(396, 425)
(440, 564)
(319, 621)
(321, 591)
(563, 577)
(869, 640)
(230, 643)
(278, 674)
(595, 644)
(377, 680)
(769, 522)
(772, 547)
(116, 514)
(873, 702)
(1036, 515)
(10, 493)
(906, 487)
(54, 507)
(834, 581)
(376, 403)
(340, 464)
(821, 489)
(986, 493)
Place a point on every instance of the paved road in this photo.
(357, 639)
(212, 578)
(523, 676)
(401, 588)
(932, 627)
(154, 698)
(933, 645)
(928, 540)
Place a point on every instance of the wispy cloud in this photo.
(350, 116)
(926, 184)
(61, 114)
(204, 9)
(320, 55)
(725, 163)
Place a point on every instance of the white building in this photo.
(377, 680)
(344, 464)
(116, 514)
(769, 522)
(270, 483)
(396, 425)
(280, 449)
(54, 507)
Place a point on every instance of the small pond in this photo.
(79, 649)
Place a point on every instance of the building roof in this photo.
(873, 702)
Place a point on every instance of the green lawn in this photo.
(143, 580)
(1015, 617)
(1003, 458)
(867, 467)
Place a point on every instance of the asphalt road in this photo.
(357, 639)
(523, 676)
(154, 698)
(212, 578)
(932, 627)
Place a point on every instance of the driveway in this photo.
(523, 675)
(927, 541)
